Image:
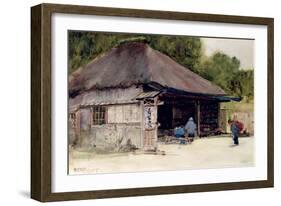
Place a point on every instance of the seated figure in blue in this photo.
(180, 133)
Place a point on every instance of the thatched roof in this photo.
(137, 63)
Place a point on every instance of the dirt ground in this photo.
(211, 152)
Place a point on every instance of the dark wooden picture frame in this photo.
(41, 96)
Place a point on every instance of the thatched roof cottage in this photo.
(129, 94)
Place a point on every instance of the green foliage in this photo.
(224, 71)
(85, 46)
(184, 50)
(219, 68)
(242, 83)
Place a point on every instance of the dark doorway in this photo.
(165, 116)
(172, 115)
(182, 112)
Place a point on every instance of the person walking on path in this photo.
(235, 127)
(235, 132)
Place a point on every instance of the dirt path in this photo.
(215, 152)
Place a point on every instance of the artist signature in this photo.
(82, 169)
(79, 169)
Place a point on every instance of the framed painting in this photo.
(136, 102)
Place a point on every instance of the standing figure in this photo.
(190, 128)
(235, 130)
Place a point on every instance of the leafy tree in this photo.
(184, 50)
(242, 83)
(220, 69)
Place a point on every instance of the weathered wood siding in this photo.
(85, 116)
(129, 113)
(123, 119)
(105, 97)
(123, 126)
(113, 137)
(223, 120)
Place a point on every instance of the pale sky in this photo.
(241, 48)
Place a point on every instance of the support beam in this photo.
(198, 117)
(219, 115)
(142, 122)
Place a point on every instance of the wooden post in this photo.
(156, 122)
(78, 122)
(173, 115)
(150, 125)
(198, 117)
(219, 115)
(142, 123)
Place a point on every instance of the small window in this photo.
(99, 113)
(72, 119)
